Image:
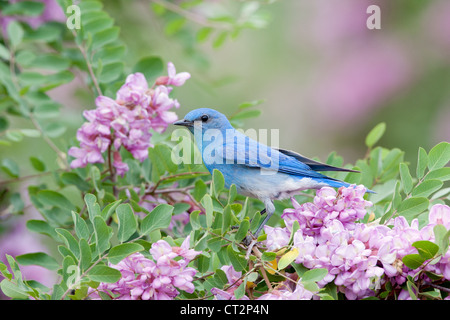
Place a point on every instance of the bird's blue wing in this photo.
(253, 154)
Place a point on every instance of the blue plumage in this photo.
(257, 170)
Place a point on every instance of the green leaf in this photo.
(109, 54)
(406, 178)
(28, 8)
(375, 134)
(161, 158)
(81, 228)
(268, 256)
(439, 156)
(85, 255)
(104, 274)
(37, 164)
(242, 231)
(109, 209)
(203, 33)
(240, 291)
(31, 133)
(194, 220)
(93, 207)
(104, 37)
(127, 222)
(103, 234)
(98, 25)
(54, 129)
(4, 124)
(111, 72)
(53, 198)
(218, 182)
(50, 62)
(175, 25)
(215, 244)
(38, 258)
(42, 227)
(226, 218)
(203, 262)
(426, 188)
(412, 207)
(158, 218)
(4, 52)
(412, 289)
(121, 251)
(237, 260)
(232, 194)
(47, 32)
(70, 241)
(413, 261)
(207, 204)
(199, 190)
(422, 162)
(71, 178)
(14, 135)
(314, 275)
(10, 167)
(151, 67)
(15, 33)
(427, 249)
(245, 114)
(4, 271)
(442, 174)
(249, 104)
(12, 290)
(220, 39)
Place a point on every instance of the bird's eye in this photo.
(204, 118)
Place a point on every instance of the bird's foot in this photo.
(249, 241)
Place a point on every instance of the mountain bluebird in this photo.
(257, 170)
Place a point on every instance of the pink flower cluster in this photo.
(157, 279)
(359, 257)
(288, 290)
(127, 120)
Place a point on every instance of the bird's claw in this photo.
(247, 240)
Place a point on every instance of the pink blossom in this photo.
(184, 250)
(174, 78)
(288, 291)
(157, 279)
(234, 280)
(127, 121)
(440, 214)
(276, 237)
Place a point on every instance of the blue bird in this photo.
(258, 171)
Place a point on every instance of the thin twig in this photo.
(196, 18)
(439, 287)
(266, 279)
(153, 190)
(23, 178)
(89, 66)
(59, 153)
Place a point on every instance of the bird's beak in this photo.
(184, 122)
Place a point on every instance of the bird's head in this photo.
(204, 119)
